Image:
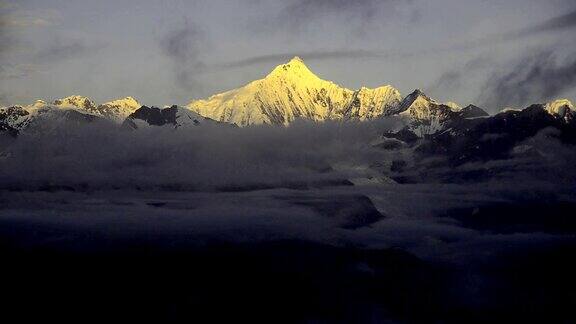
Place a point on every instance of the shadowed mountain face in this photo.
(472, 111)
(10, 118)
(173, 117)
(154, 116)
(514, 142)
(495, 137)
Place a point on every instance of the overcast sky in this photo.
(495, 53)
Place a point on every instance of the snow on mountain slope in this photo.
(41, 117)
(562, 108)
(292, 91)
(12, 118)
(185, 117)
(116, 110)
(49, 118)
(425, 114)
(415, 103)
(79, 102)
(372, 103)
(472, 111)
(16, 118)
(119, 109)
(35, 106)
(454, 106)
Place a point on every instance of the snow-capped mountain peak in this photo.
(76, 101)
(426, 115)
(562, 108)
(417, 97)
(42, 118)
(125, 102)
(295, 69)
(558, 106)
(472, 111)
(415, 103)
(292, 91)
(36, 105)
(118, 110)
(453, 106)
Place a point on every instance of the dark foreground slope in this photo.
(136, 270)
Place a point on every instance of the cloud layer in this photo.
(185, 46)
(207, 157)
(535, 77)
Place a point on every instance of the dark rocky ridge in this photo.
(153, 116)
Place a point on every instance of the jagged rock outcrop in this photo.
(173, 116)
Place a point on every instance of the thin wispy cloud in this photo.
(64, 49)
(554, 24)
(454, 79)
(14, 17)
(306, 55)
(537, 77)
(567, 21)
(303, 15)
(185, 46)
(302, 11)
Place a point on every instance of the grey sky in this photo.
(165, 52)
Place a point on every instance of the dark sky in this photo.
(492, 52)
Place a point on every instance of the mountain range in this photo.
(291, 91)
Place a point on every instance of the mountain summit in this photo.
(78, 102)
(116, 110)
(295, 69)
(292, 91)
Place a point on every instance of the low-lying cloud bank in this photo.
(316, 200)
(206, 157)
(335, 174)
(100, 155)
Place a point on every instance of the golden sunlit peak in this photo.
(294, 64)
(296, 59)
(295, 68)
